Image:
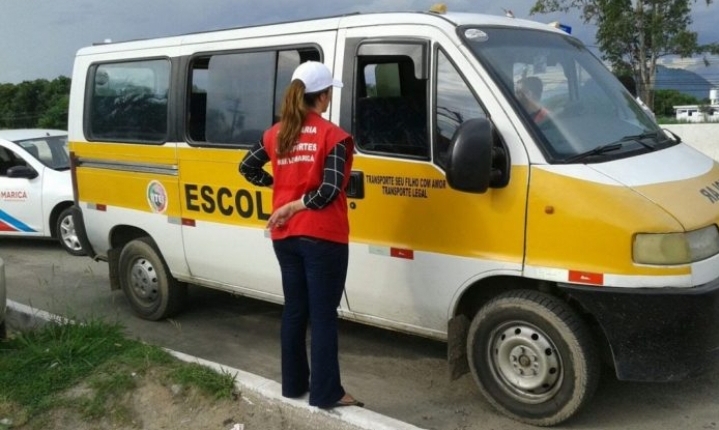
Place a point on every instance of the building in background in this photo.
(700, 113)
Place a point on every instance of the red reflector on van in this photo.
(101, 208)
(402, 253)
(586, 277)
(188, 222)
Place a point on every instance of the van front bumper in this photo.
(656, 334)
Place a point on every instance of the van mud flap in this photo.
(457, 330)
(113, 260)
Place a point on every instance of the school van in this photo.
(537, 248)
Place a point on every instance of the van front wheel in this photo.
(532, 357)
(148, 285)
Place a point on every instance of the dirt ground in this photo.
(153, 406)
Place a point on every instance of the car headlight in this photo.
(676, 248)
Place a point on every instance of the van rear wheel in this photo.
(532, 357)
(148, 285)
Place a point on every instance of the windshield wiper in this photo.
(609, 147)
(601, 149)
(639, 138)
(677, 139)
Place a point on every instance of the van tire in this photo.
(532, 357)
(66, 233)
(148, 285)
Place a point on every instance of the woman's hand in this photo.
(280, 217)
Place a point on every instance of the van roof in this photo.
(449, 19)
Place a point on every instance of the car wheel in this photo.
(532, 357)
(148, 285)
(66, 233)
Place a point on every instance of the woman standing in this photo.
(311, 162)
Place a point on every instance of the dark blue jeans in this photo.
(313, 279)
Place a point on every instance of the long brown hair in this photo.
(292, 115)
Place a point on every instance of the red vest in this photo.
(301, 171)
(540, 115)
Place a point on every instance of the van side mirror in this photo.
(21, 172)
(475, 161)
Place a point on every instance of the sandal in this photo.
(346, 402)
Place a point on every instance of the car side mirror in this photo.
(476, 162)
(21, 172)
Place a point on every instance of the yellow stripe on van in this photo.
(409, 205)
(129, 189)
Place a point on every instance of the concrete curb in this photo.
(23, 317)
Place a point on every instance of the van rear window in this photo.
(129, 101)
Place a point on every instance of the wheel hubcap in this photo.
(143, 280)
(525, 362)
(68, 234)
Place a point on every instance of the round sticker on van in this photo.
(157, 197)
(476, 35)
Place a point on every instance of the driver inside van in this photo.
(529, 93)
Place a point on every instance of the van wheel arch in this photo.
(117, 238)
(474, 297)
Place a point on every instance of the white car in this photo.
(35, 186)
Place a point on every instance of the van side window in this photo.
(234, 97)
(129, 101)
(390, 105)
(455, 105)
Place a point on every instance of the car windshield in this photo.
(51, 151)
(578, 109)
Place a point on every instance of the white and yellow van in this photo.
(535, 249)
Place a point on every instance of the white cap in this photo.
(316, 77)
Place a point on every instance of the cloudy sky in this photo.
(39, 38)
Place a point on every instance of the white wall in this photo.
(704, 137)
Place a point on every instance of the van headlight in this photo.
(676, 248)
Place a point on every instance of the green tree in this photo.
(633, 34)
(57, 96)
(665, 100)
(56, 114)
(39, 103)
(7, 94)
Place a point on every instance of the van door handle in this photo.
(355, 186)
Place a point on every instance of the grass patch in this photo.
(90, 369)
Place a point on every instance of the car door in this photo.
(20, 198)
(416, 242)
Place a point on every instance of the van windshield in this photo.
(578, 109)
